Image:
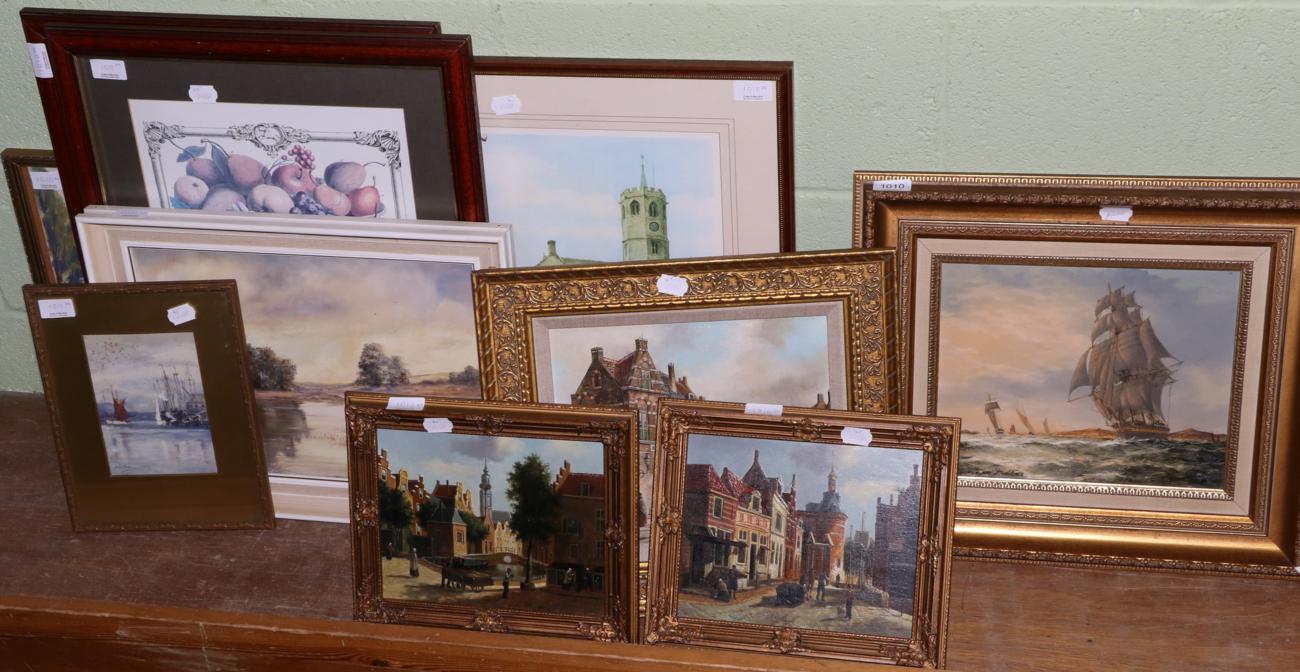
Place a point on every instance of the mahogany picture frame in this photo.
(778, 74)
(933, 485)
(611, 431)
(69, 37)
(19, 167)
(1065, 212)
(141, 478)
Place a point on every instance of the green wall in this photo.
(1173, 87)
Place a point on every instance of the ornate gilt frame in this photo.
(616, 430)
(936, 437)
(508, 300)
(1262, 542)
(875, 211)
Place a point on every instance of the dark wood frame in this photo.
(614, 429)
(779, 72)
(68, 34)
(936, 437)
(241, 488)
(35, 243)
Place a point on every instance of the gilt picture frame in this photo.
(1194, 471)
(152, 413)
(708, 586)
(545, 332)
(43, 220)
(192, 113)
(587, 157)
(329, 305)
(557, 556)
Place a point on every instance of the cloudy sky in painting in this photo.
(862, 474)
(319, 311)
(459, 458)
(128, 364)
(781, 360)
(1016, 332)
(565, 186)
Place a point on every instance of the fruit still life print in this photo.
(271, 164)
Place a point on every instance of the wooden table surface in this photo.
(106, 585)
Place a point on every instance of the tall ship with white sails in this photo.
(1125, 369)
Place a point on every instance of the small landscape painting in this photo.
(60, 232)
(578, 197)
(320, 325)
(152, 412)
(493, 522)
(288, 159)
(800, 535)
(1122, 375)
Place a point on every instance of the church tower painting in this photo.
(485, 495)
(645, 222)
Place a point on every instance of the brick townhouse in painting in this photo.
(893, 552)
(580, 543)
(631, 382)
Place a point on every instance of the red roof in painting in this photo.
(702, 477)
(620, 369)
(572, 485)
(444, 490)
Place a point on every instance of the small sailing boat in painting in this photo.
(991, 409)
(176, 402)
(1025, 420)
(119, 415)
(1124, 369)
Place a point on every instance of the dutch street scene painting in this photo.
(801, 535)
(492, 521)
(149, 395)
(1121, 375)
(321, 325)
(578, 197)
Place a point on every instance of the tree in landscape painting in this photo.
(535, 504)
(376, 369)
(394, 513)
(270, 371)
(467, 377)
(428, 513)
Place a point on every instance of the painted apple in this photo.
(224, 199)
(270, 198)
(365, 202)
(293, 178)
(191, 191)
(345, 176)
(204, 169)
(245, 171)
(334, 201)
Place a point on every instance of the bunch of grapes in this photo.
(305, 204)
(303, 157)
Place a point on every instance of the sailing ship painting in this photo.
(153, 416)
(1130, 388)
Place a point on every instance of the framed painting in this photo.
(42, 214)
(858, 571)
(329, 305)
(217, 116)
(585, 157)
(1127, 390)
(608, 336)
(151, 405)
(880, 196)
(547, 551)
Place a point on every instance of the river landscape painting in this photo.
(1124, 376)
(319, 325)
(153, 416)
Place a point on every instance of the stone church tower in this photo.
(645, 222)
(485, 495)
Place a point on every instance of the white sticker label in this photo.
(405, 403)
(181, 314)
(857, 436)
(132, 213)
(1116, 214)
(507, 104)
(104, 68)
(904, 184)
(672, 284)
(46, 180)
(764, 409)
(203, 93)
(40, 60)
(51, 308)
(753, 91)
(437, 425)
